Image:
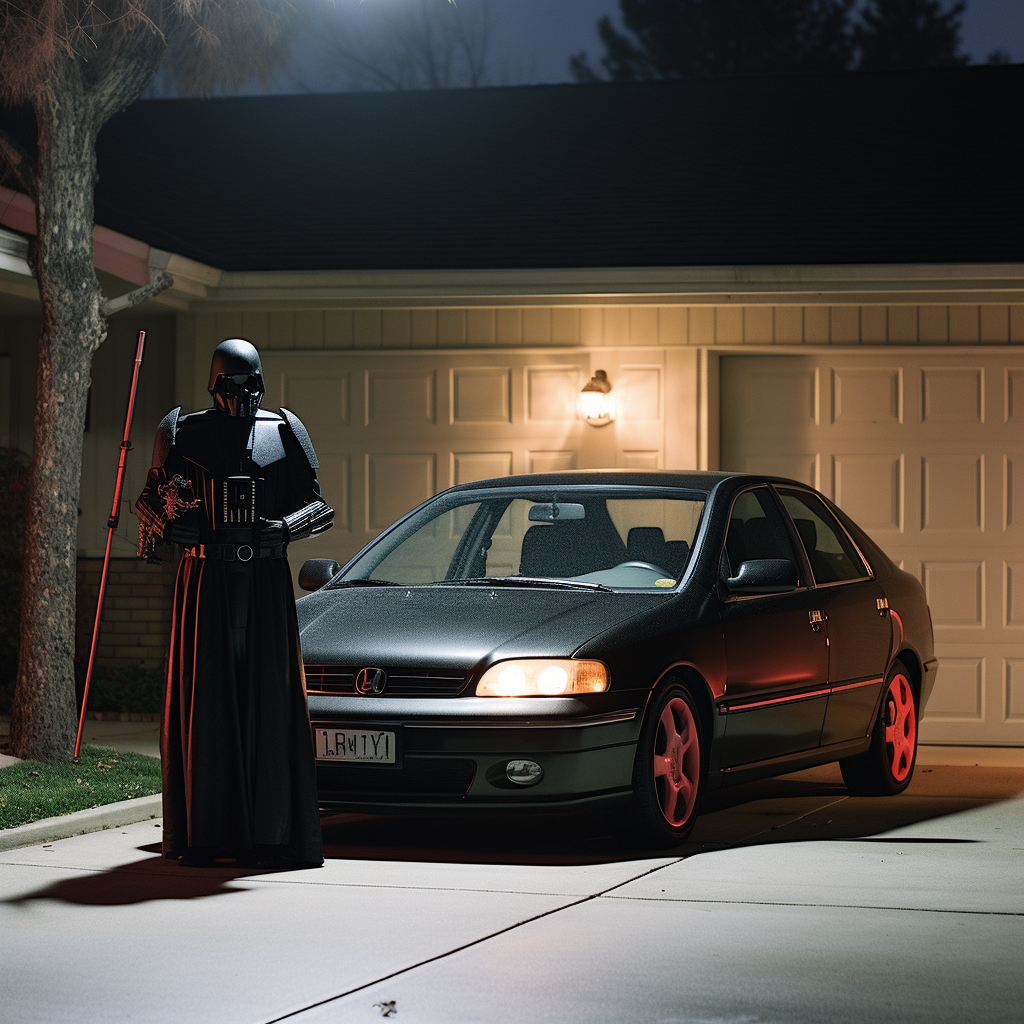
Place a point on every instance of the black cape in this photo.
(238, 769)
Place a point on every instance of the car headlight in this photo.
(542, 677)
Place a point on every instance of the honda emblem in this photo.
(371, 680)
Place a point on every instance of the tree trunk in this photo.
(44, 720)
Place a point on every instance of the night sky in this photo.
(548, 31)
(532, 40)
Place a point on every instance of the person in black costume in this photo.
(233, 486)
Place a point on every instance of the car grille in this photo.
(402, 682)
(418, 776)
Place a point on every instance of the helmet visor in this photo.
(240, 394)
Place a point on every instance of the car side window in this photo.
(756, 530)
(832, 556)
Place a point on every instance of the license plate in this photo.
(365, 746)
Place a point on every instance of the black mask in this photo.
(239, 395)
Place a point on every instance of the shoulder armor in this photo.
(267, 446)
(301, 435)
(166, 433)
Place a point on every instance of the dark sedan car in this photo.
(612, 637)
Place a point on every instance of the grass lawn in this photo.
(32, 790)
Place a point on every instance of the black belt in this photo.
(235, 552)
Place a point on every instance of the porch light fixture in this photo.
(596, 404)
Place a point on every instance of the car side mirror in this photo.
(315, 572)
(764, 576)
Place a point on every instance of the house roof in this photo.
(904, 167)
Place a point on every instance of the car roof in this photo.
(699, 481)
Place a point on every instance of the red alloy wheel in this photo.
(900, 727)
(677, 762)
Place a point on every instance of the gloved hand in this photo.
(273, 533)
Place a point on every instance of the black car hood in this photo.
(456, 627)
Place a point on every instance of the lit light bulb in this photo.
(511, 681)
(592, 405)
(553, 681)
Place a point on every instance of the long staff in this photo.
(115, 514)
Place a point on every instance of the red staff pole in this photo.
(115, 515)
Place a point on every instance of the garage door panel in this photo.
(925, 450)
(395, 483)
(1013, 690)
(1013, 594)
(552, 392)
(953, 395)
(468, 467)
(1012, 496)
(959, 693)
(871, 489)
(481, 395)
(406, 399)
(952, 492)
(870, 394)
(956, 593)
(337, 469)
(790, 397)
(552, 462)
(318, 400)
(802, 466)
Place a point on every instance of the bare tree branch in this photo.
(159, 280)
(401, 44)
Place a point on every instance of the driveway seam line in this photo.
(822, 906)
(466, 945)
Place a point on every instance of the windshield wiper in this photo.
(523, 581)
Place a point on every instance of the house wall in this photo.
(619, 325)
(136, 613)
(662, 356)
(379, 389)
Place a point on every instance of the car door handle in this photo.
(816, 617)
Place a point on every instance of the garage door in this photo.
(926, 451)
(392, 429)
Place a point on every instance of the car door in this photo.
(775, 646)
(856, 616)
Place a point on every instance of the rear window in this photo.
(832, 554)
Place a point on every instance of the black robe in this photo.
(236, 749)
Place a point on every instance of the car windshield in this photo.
(615, 538)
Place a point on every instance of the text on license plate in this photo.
(355, 745)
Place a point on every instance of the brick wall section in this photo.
(136, 624)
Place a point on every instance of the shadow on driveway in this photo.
(150, 878)
(804, 806)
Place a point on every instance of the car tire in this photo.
(669, 770)
(887, 766)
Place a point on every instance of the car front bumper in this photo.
(454, 753)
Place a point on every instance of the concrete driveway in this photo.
(793, 902)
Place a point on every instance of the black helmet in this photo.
(236, 377)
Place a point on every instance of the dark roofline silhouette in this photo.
(895, 167)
